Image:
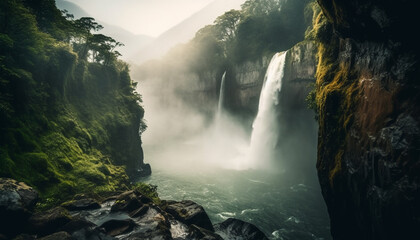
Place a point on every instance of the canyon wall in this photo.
(367, 96)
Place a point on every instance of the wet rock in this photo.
(140, 212)
(118, 227)
(127, 202)
(197, 232)
(81, 204)
(159, 232)
(58, 236)
(48, 222)
(189, 212)
(234, 229)
(145, 170)
(17, 201)
(76, 225)
(22, 237)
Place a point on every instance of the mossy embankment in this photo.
(67, 125)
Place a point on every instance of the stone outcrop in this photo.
(368, 95)
(189, 212)
(17, 201)
(130, 215)
(239, 230)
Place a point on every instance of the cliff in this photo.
(367, 97)
(67, 125)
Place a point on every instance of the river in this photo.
(280, 205)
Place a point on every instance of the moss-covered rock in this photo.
(367, 97)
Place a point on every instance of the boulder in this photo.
(118, 227)
(145, 170)
(81, 204)
(48, 222)
(140, 212)
(196, 232)
(76, 225)
(127, 202)
(22, 237)
(159, 232)
(189, 212)
(234, 229)
(58, 236)
(17, 201)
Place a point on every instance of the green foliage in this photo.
(311, 100)
(148, 190)
(67, 125)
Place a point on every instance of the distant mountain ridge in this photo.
(184, 31)
(133, 43)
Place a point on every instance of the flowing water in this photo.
(281, 206)
(229, 171)
(265, 128)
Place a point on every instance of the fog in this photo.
(181, 138)
(189, 130)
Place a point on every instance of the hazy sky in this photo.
(149, 17)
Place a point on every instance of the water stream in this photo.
(229, 171)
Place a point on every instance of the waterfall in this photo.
(221, 97)
(265, 127)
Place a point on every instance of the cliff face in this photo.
(67, 125)
(297, 125)
(367, 94)
(246, 82)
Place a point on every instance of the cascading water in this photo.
(221, 98)
(265, 128)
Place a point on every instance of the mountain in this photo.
(133, 43)
(185, 30)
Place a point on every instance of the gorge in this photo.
(284, 119)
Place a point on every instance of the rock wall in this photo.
(297, 126)
(367, 94)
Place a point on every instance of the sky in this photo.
(148, 17)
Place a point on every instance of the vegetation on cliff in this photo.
(70, 117)
(367, 101)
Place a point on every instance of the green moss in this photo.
(61, 116)
(149, 191)
(335, 97)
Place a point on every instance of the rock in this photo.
(58, 236)
(197, 232)
(81, 204)
(22, 237)
(369, 119)
(118, 227)
(17, 201)
(127, 202)
(76, 225)
(236, 229)
(50, 221)
(159, 232)
(145, 170)
(189, 212)
(81, 229)
(139, 212)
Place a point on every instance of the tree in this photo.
(261, 7)
(103, 48)
(226, 27)
(84, 27)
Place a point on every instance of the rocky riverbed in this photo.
(127, 215)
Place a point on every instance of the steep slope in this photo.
(184, 31)
(67, 125)
(367, 95)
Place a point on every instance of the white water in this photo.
(221, 97)
(265, 128)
